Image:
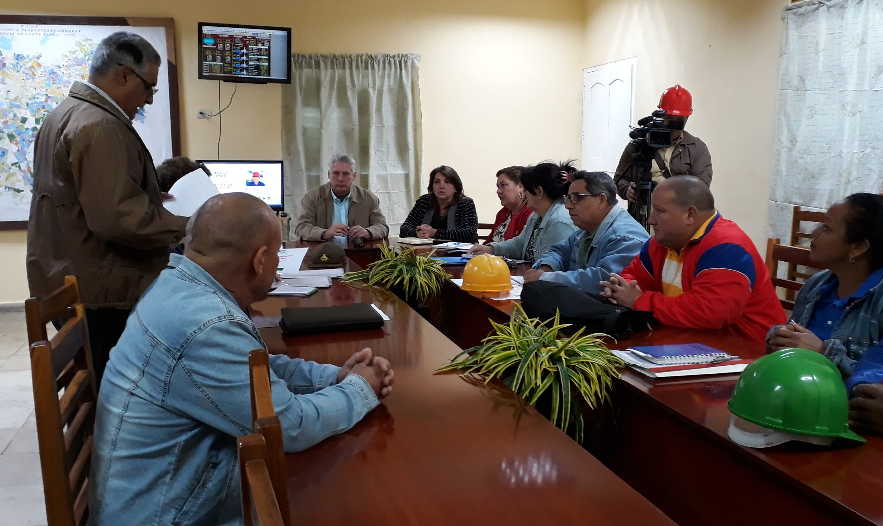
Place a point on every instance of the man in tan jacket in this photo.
(97, 208)
(340, 207)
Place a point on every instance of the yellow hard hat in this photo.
(486, 273)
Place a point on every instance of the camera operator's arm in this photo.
(701, 162)
(625, 171)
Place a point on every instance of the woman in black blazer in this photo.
(444, 212)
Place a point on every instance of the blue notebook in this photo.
(681, 354)
(451, 260)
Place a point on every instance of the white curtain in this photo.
(830, 106)
(367, 106)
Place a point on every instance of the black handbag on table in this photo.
(540, 299)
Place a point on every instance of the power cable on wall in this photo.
(220, 111)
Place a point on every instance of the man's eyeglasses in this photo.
(576, 197)
(147, 86)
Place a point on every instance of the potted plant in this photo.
(543, 366)
(413, 277)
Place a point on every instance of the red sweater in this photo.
(515, 226)
(725, 282)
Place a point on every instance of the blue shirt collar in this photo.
(829, 289)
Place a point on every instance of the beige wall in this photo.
(499, 80)
(726, 54)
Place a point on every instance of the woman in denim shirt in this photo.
(838, 311)
(548, 225)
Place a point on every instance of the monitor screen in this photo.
(244, 53)
(262, 179)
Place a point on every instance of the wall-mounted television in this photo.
(262, 179)
(237, 53)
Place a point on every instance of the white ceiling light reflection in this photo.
(533, 471)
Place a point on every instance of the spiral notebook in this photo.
(682, 354)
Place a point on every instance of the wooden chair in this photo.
(799, 238)
(484, 236)
(777, 253)
(64, 402)
(259, 504)
(266, 423)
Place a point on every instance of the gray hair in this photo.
(342, 158)
(123, 49)
(598, 183)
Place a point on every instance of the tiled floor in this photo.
(21, 487)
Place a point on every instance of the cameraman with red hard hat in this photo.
(662, 140)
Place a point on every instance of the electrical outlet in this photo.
(203, 115)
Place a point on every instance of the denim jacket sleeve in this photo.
(211, 384)
(301, 376)
(514, 248)
(616, 253)
(560, 255)
(869, 369)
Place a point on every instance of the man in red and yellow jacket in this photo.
(699, 270)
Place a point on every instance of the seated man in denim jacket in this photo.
(607, 240)
(175, 393)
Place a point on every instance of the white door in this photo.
(607, 113)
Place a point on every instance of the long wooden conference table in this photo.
(442, 451)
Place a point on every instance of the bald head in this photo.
(688, 191)
(231, 226)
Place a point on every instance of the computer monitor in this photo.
(236, 53)
(262, 179)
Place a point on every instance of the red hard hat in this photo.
(676, 100)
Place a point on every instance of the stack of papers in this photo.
(655, 370)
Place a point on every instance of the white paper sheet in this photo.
(320, 282)
(290, 260)
(453, 245)
(329, 272)
(288, 290)
(382, 314)
(190, 192)
(514, 292)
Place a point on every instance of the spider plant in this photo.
(417, 277)
(534, 359)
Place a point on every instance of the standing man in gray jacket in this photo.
(97, 209)
(607, 240)
(340, 207)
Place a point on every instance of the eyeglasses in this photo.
(147, 86)
(576, 197)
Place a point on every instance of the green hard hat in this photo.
(797, 391)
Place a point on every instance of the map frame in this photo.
(170, 62)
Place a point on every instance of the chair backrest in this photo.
(266, 423)
(485, 231)
(803, 216)
(776, 253)
(64, 401)
(259, 504)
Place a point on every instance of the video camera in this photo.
(654, 131)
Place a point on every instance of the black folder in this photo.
(309, 320)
